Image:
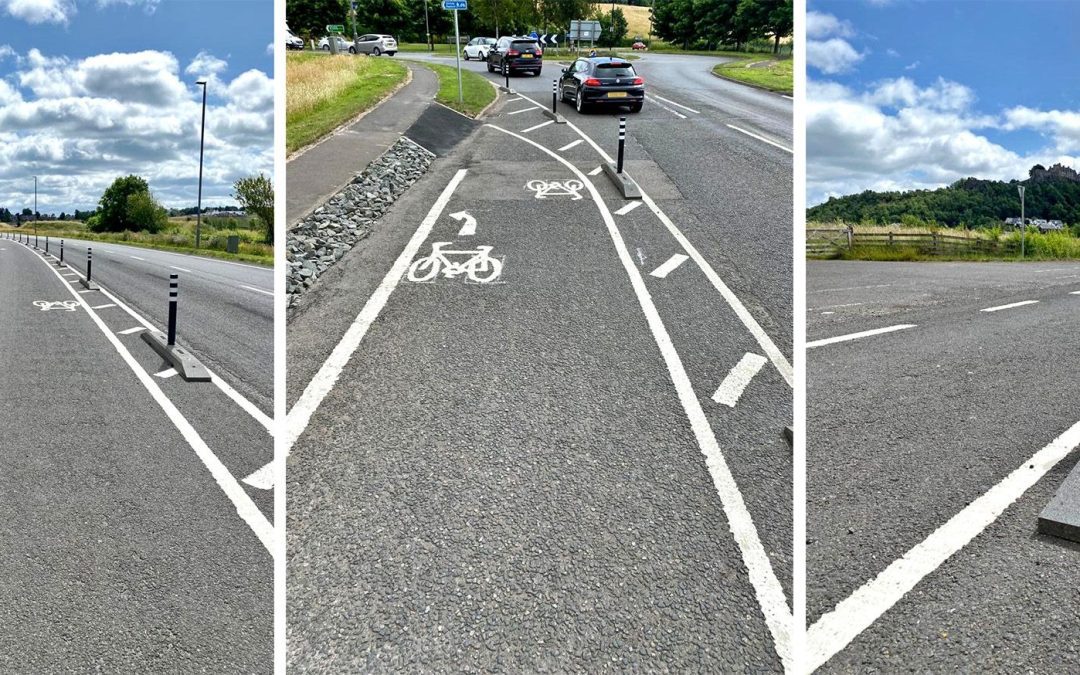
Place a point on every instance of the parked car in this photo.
(477, 48)
(515, 54)
(376, 44)
(292, 41)
(602, 80)
(639, 45)
(343, 45)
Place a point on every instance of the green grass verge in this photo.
(772, 74)
(404, 47)
(379, 76)
(477, 92)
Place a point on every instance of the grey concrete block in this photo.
(623, 182)
(1061, 517)
(185, 363)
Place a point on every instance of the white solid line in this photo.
(129, 331)
(760, 138)
(787, 97)
(245, 507)
(770, 594)
(569, 145)
(732, 387)
(628, 208)
(542, 124)
(512, 100)
(596, 171)
(108, 304)
(856, 336)
(86, 291)
(669, 266)
(673, 112)
(137, 258)
(1075, 293)
(257, 290)
(1009, 306)
(167, 373)
(835, 630)
(323, 382)
(684, 107)
(181, 269)
(766, 343)
(263, 478)
(522, 110)
(847, 304)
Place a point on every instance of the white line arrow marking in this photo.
(669, 267)
(469, 228)
(733, 385)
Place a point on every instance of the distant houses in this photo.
(1043, 225)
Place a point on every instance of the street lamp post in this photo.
(1023, 223)
(35, 209)
(202, 138)
(427, 29)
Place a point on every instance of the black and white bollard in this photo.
(61, 263)
(622, 142)
(35, 240)
(90, 257)
(506, 74)
(623, 182)
(46, 244)
(174, 281)
(554, 95)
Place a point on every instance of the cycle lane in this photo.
(506, 464)
(119, 549)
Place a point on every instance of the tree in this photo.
(614, 25)
(674, 21)
(310, 17)
(114, 203)
(256, 194)
(145, 213)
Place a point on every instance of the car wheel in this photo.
(636, 108)
(490, 69)
(325, 48)
(579, 101)
(483, 56)
(376, 52)
(352, 50)
(465, 55)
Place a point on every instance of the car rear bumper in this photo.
(600, 97)
(525, 64)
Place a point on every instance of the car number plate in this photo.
(526, 56)
(616, 94)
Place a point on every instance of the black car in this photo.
(602, 80)
(515, 54)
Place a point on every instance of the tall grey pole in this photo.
(427, 28)
(457, 58)
(1023, 223)
(35, 207)
(202, 139)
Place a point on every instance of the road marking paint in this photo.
(670, 110)
(760, 138)
(167, 373)
(174, 267)
(263, 478)
(70, 274)
(245, 507)
(766, 343)
(569, 145)
(731, 389)
(596, 171)
(848, 304)
(1009, 306)
(856, 336)
(469, 228)
(675, 104)
(850, 288)
(827, 313)
(86, 291)
(787, 97)
(835, 630)
(641, 256)
(137, 258)
(769, 592)
(542, 124)
(129, 331)
(316, 390)
(514, 100)
(669, 266)
(628, 208)
(1075, 293)
(544, 189)
(108, 304)
(257, 290)
(522, 110)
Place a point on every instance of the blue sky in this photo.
(91, 90)
(938, 90)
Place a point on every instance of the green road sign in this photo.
(335, 28)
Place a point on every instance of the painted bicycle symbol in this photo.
(555, 188)
(66, 305)
(480, 267)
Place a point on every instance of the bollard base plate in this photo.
(88, 285)
(1061, 517)
(623, 181)
(559, 119)
(507, 90)
(185, 363)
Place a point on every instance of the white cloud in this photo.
(831, 56)
(1062, 126)
(820, 25)
(39, 11)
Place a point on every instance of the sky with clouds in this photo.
(95, 89)
(913, 94)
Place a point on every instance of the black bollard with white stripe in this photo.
(622, 141)
(46, 244)
(35, 240)
(174, 281)
(554, 94)
(506, 74)
(89, 260)
(61, 263)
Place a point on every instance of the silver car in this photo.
(477, 48)
(376, 44)
(343, 45)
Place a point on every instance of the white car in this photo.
(343, 45)
(477, 48)
(376, 44)
(292, 41)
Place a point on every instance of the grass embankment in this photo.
(772, 74)
(914, 244)
(322, 93)
(177, 236)
(477, 92)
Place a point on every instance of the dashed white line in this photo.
(760, 138)
(596, 171)
(542, 124)
(684, 107)
(167, 373)
(257, 290)
(137, 258)
(838, 628)
(181, 269)
(522, 110)
(731, 389)
(569, 145)
(1009, 306)
(669, 266)
(1075, 293)
(856, 336)
(108, 304)
(129, 331)
(628, 208)
(676, 113)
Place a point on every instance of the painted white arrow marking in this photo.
(262, 479)
(469, 228)
(733, 385)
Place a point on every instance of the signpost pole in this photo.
(457, 58)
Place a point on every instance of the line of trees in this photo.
(710, 24)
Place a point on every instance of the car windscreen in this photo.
(614, 70)
(523, 46)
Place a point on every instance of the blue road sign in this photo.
(534, 35)
(455, 4)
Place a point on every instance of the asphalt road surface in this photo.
(527, 470)
(126, 541)
(918, 438)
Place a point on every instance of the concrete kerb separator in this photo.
(185, 363)
(1061, 517)
(625, 184)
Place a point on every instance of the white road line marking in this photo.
(108, 304)
(596, 171)
(323, 382)
(628, 208)
(848, 304)
(174, 267)
(766, 343)
(1075, 293)
(856, 336)
(1009, 306)
(684, 107)
(732, 387)
(787, 97)
(167, 373)
(263, 478)
(769, 592)
(669, 266)
(641, 256)
(137, 258)
(86, 291)
(257, 290)
(513, 100)
(835, 630)
(569, 145)
(522, 110)
(850, 288)
(129, 331)
(670, 110)
(542, 124)
(245, 507)
(760, 138)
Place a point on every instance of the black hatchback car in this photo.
(514, 55)
(602, 80)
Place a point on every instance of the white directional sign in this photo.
(469, 228)
(544, 189)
